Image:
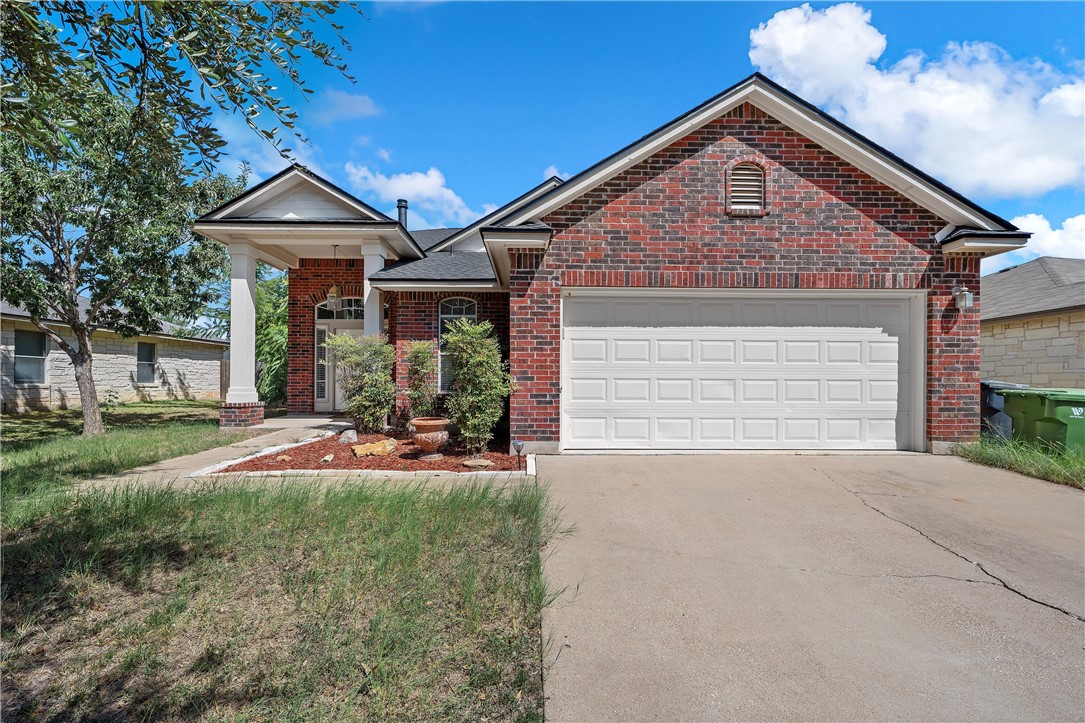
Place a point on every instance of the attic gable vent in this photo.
(747, 187)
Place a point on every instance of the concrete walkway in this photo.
(813, 587)
(273, 432)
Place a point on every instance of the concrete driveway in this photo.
(813, 587)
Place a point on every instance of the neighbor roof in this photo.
(460, 266)
(1043, 285)
(8, 311)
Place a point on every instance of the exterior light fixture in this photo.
(518, 445)
(335, 303)
(963, 297)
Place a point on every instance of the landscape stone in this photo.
(283, 458)
(375, 449)
(478, 463)
(350, 436)
(327, 458)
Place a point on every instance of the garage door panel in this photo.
(684, 385)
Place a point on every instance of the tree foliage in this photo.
(107, 218)
(480, 381)
(174, 59)
(421, 379)
(364, 369)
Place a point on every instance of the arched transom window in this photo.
(448, 311)
(747, 187)
(350, 308)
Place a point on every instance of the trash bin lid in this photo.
(1067, 395)
(995, 384)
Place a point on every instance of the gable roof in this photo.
(10, 311)
(501, 214)
(281, 179)
(427, 238)
(803, 117)
(1043, 285)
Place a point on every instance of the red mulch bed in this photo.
(404, 459)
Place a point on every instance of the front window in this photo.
(30, 352)
(351, 309)
(145, 359)
(448, 311)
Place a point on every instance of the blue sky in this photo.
(463, 106)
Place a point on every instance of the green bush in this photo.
(365, 369)
(421, 379)
(480, 381)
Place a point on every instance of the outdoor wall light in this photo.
(518, 445)
(335, 303)
(963, 297)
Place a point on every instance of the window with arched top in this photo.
(747, 188)
(350, 308)
(448, 311)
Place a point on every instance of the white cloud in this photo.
(552, 171)
(384, 154)
(1068, 241)
(245, 144)
(427, 191)
(975, 117)
(332, 106)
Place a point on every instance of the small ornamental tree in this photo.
(365, 368)
(480, 381)
(421, 379)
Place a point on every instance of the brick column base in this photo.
(240, 414)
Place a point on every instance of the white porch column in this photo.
(242, 325)
(373, 261)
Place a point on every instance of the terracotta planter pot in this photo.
(430, 433)
(425, 425)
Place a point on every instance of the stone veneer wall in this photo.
(185, 370)
(1041, 351)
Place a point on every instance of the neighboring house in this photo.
(752, 275)
(35, 373)
(1032, 324)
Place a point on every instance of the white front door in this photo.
(337, 382)
(762, 370)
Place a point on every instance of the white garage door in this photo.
(749, 372)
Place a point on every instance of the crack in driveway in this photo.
(998, 581)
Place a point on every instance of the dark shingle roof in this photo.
(8, 311)
(427, 238)
(441, 266)
(1042, 285)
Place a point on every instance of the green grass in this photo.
(58, 463)
(30, 428)
(1065, 467)
(287, 604)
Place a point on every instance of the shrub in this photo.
(421, 379)
(480, 381)
(365, 369)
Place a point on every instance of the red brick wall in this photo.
(308, 286)
(413, 317)
(664, 223)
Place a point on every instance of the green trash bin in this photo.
(1063, 423)
(1051, 416)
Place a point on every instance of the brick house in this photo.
(752, 275)
(1032, 325)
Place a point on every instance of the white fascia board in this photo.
(282, 185)
(466, 231)
(498, 243)
(434, 285)
(800, 119)
(986, 246)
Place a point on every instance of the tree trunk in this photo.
(83, 362)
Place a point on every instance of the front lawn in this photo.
(1065, 467)
(289, 603)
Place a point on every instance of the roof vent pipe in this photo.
(401, 206)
